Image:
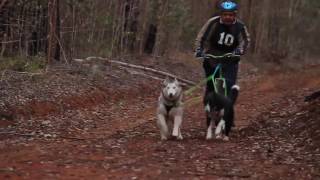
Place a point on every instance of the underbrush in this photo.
(23, 64)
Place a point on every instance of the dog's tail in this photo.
(234, 93)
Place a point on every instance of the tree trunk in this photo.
(2, 4)
(57, 32)
(52, 24)
(54, 34)
(159, 48)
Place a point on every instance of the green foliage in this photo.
(22, 64)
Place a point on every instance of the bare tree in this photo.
(53, 51)
(158, 27)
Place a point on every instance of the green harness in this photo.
(219, 84)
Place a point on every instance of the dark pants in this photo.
(229, 72)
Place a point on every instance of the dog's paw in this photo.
(225, 138)
(163, 138)
(179, 138)
(208, 137)
(175, 134)
(218, 136)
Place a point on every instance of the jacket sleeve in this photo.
(204, 34)
(244, 40)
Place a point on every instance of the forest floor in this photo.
(96, 120)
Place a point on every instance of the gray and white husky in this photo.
(170, 109)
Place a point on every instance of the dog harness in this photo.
(168, 108)
(172, 103)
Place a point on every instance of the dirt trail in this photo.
(112, 135)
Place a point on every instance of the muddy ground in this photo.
(96, 120)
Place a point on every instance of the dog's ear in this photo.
(176, 80)
(166, 81)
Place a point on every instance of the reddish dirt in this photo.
(105, 129)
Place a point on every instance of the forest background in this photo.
(283, 32)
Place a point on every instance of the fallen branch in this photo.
(20, 72)
(190, 83)
(148, 76)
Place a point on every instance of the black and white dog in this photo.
(220, 112)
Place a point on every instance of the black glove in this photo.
(238, 52)
(199, 53)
